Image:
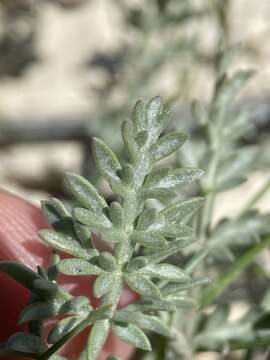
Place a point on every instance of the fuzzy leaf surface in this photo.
(106, 161)
(142, 285)
(167, 145)
(133, 335)
(97, 338)
(103, 284)
(85, 193)
(64, 243)
(78, 267)
(165, 272)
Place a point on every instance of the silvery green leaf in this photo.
(97, 338)
(228, 88)
(113, 235)
(132, 335)
(64, 243)
(142, 285)
(165, 272)
(146, 322)
(225, 59)
(240, 231)
(107, 261)
(113, 358)
(53, 210)
(142, 138)
(128, 136)
(127, 174)
(176, 288)
(167, 145)
(103, 284)
(136, 263)
(138, 117)
(157, 117)
(106, 161)
(86, 193)
(62, 327)
(104, 312)
(175, 177)
(75, 305)
(153, 110)
(83, 234)
(173, 248)
(160, 194)
(238, 125)
(234, 332)
(199, 113)
(182, 302)
(78, 267)
(116, 214)
(176, 230)
(93, 220)
(20, 273)
(60, 219)
(157, 174)
(149, 239)
(39, 311)
(27, 343)
(181, 212)
(150, 305)
(235, 169)
(146, 218)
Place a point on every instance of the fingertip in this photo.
(19, 225)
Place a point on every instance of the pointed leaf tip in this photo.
(85, 192)
(106, 161)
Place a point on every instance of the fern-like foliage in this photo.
(140, 237)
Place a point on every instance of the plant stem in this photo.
(90, 319)
(216, 288)
(123, 250)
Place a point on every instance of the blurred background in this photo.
(71, 69)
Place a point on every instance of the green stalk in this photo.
(90, 319)
(215, 141)
(217, 287)
(123, 250)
